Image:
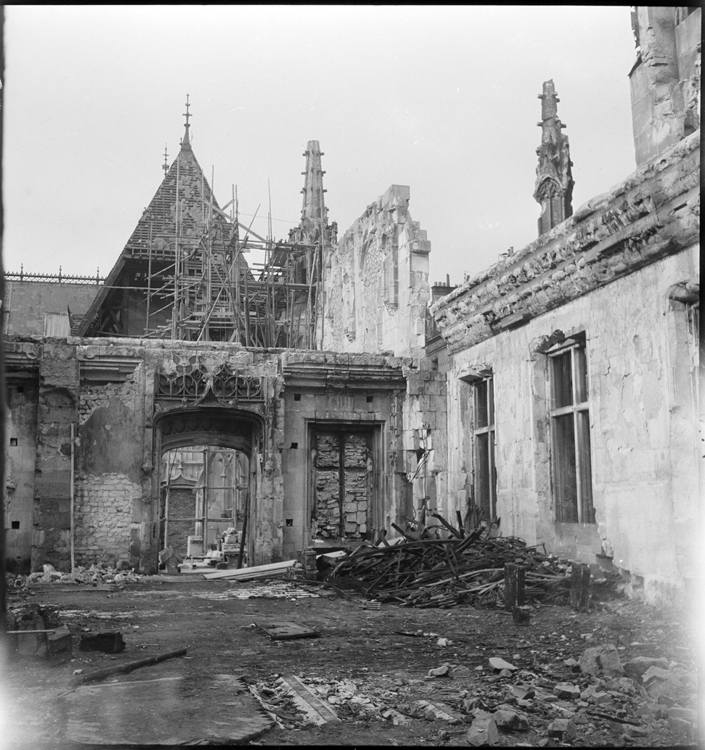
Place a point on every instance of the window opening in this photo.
(570, 433)
(484, 434)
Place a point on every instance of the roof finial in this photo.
(165, 166)
(186, 142)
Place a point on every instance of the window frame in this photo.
(479, 431)
(583, 511)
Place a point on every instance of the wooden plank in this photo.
(314, 707)
(580, 587)
(128, 667)
(287, 631)
(257, 571)
(513, 586)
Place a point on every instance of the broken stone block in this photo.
(439, 711)
(59, 642)
(109, 642)
(687, 714)
(567, 690)
(521, 692)
(471, 704)
(636, 667)
(655, 673)
(600, 660)
(443, 671)
(681, 727)
(483, 730)
(633, 731)
(564, 729)
(499, 664)
(508, 720)
(461, 672)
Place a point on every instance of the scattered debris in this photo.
(95, 574)
(315, 710)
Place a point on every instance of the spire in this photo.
(165, 166)
(554, 180)
(313, 205)
(314, 214)
(186, 143)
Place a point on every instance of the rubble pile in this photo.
(463, 569)
(94, 575)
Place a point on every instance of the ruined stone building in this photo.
(314, 396)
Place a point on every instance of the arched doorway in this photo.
(207, 481)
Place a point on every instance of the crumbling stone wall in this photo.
(56, 412)
(665, 80)
(109, 480)
(375, 282)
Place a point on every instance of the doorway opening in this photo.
(204, 496)
(207, 486)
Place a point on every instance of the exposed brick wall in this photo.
(104, 518)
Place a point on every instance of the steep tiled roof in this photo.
(159, 222)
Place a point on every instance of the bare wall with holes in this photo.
(20, 458)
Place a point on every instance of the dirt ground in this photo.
(370, 666)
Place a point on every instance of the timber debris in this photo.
(466, 568)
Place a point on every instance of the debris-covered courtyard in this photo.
(295, 662)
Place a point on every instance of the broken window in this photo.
(484, 434)
(570, 432)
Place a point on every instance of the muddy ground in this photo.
(370, 666)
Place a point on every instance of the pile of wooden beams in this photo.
(462, 569)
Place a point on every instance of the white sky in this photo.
(443, 99)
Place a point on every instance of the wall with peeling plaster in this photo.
(375, 282)
(20, 459)
(643, 424)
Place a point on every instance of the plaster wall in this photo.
(643, 427)
(20, 458)
(27, 302)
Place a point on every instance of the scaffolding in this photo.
(216, 295)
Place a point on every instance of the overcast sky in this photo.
(443, 99)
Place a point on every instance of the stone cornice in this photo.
(653, 213)
(326, 370)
